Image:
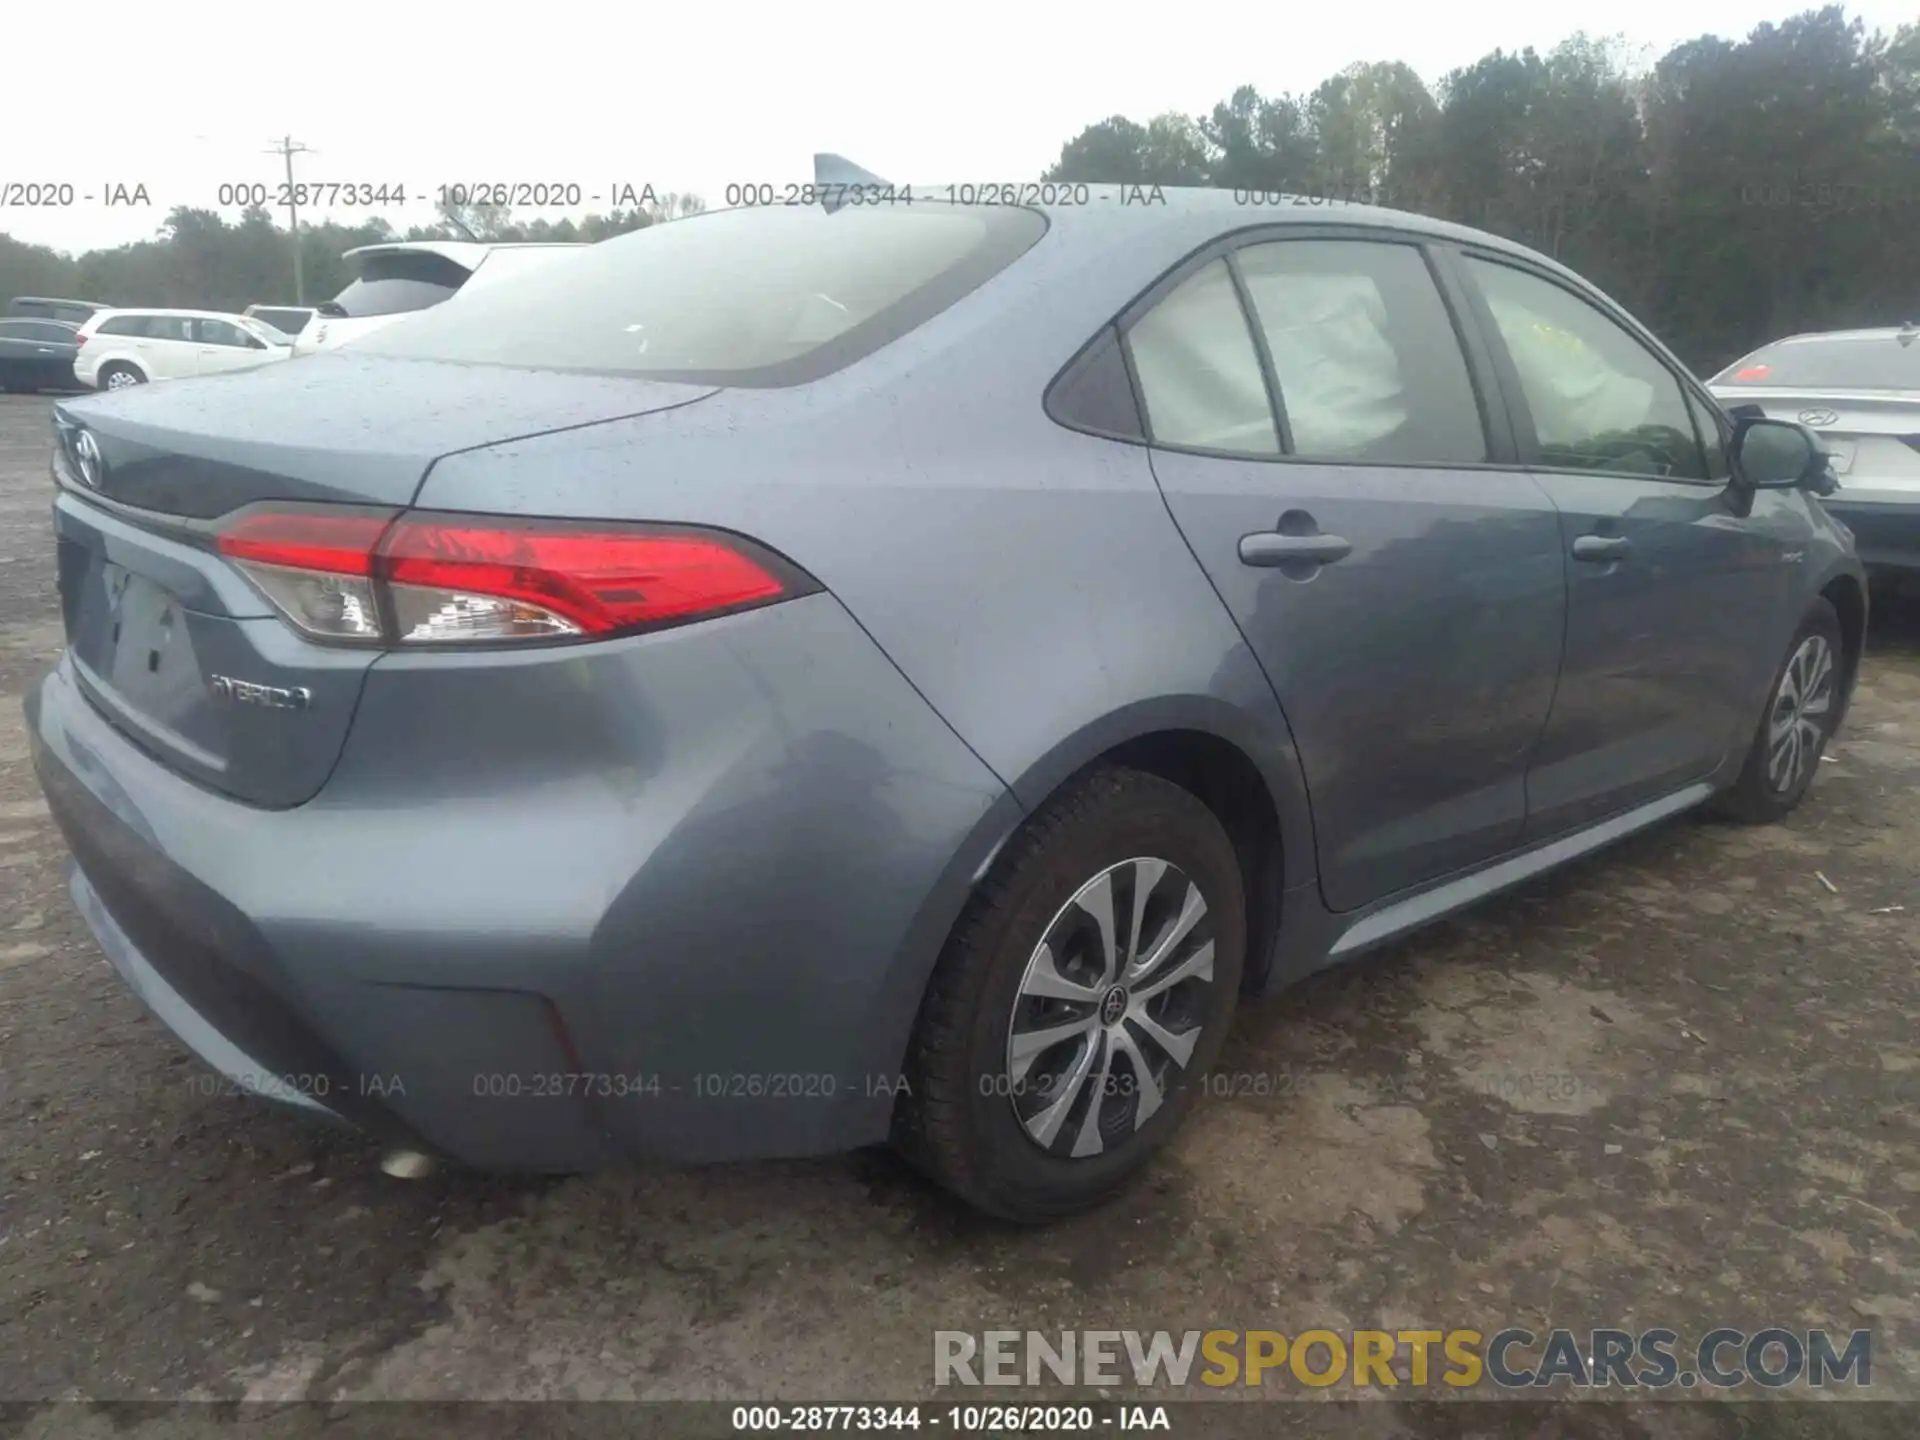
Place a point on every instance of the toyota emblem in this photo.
(1818, 418)
(86, 451)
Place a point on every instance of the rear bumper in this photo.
(1886, 532)
(690, 918)
(243, 1071)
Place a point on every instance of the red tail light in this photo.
(461, 579)
(79, 339)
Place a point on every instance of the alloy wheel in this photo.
(1796, 721)
(1110, 1008)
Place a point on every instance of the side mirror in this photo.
(1776, 454)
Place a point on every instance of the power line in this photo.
(287, 148)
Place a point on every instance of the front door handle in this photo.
(1601, 548)
(1270, 547)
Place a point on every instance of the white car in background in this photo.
(119, 348)
(394, 280)
(288, 319)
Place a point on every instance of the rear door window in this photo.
(167, 327)
(751, 297)
(1199, 373)
(1368, 366)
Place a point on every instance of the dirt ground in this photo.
(1675, 1085)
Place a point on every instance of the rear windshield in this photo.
(290, 322)
(1881, 364)
(397, 283)
(76, 311)
(771, 296)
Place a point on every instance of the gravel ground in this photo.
(1674, 1085)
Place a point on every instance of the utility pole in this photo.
(287, 149)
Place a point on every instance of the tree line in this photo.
(1731, 192)
(1728, 194)
(199, 260)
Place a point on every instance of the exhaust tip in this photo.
(405, 1164)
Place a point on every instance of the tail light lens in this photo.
(439, 579)
(79, 340)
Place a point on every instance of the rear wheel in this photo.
(1802, 708)
(118, 377)
(1084, 993)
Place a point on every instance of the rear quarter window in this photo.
(1199, 372)
(749, 297)
(288, 322)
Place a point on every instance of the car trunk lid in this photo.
(167, 638)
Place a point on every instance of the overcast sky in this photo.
(182, 97)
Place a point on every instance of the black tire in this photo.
(958, 1121)
(1760, 796)
(108, 371)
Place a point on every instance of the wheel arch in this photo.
(1211, 748)
(1242, 767)
(120, 362)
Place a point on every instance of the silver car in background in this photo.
(1859, 390)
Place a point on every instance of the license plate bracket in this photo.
(142, 648)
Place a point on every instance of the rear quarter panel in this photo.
(1026, 578)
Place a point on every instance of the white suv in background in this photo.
(393, 280)
(119, 348)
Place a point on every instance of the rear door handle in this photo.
(1601, 548)
(1270, 547)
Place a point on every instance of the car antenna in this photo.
(832, 174)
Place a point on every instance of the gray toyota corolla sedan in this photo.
(796, 678)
